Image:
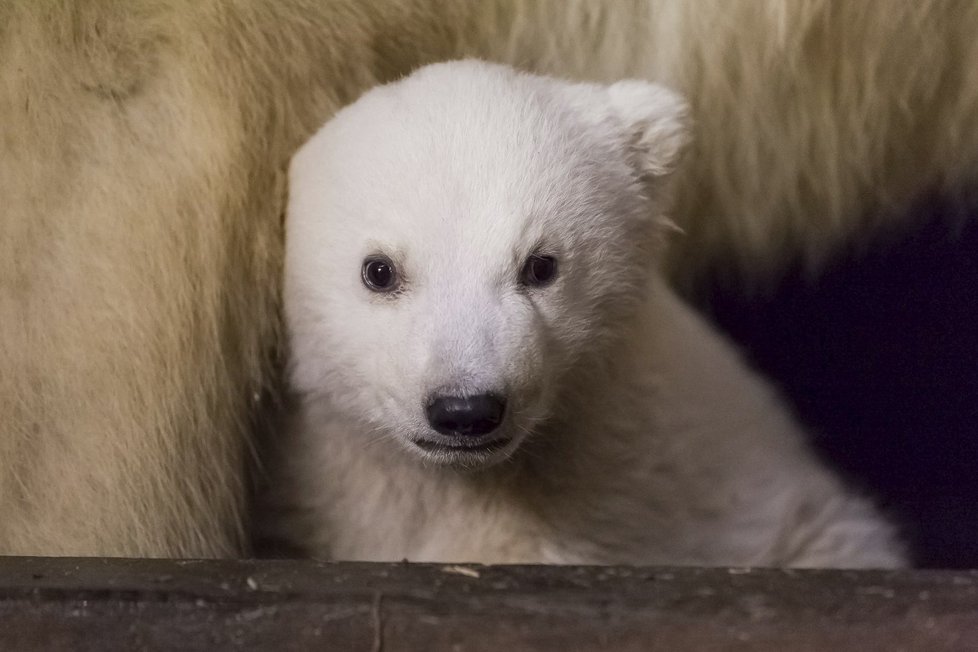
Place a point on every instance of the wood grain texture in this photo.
(120, 604)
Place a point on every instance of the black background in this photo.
(879, 356)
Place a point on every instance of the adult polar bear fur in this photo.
(143, 149)
(470, 280)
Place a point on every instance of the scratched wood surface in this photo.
(120, 604)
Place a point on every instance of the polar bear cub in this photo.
(487, 366)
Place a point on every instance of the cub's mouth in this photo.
(487, 447)
(471, 454)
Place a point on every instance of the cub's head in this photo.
(464, 241)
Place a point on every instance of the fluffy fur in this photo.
(143, 146)
(632, 432)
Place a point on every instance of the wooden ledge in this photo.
(124, 604)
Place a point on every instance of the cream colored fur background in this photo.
(142, 150)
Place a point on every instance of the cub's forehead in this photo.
(459, 109)
(454, 140)
(461, 156)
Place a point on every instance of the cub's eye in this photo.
(538, 270)
(379, 275)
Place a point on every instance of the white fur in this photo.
(636, 434)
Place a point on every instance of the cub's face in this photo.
(462, 242)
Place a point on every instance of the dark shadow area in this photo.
(879, 356)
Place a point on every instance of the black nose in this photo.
(465, 415)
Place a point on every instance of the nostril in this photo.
(465, 415)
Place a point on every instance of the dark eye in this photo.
(539, 270)
(379, 274)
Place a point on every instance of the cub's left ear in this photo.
(656, 120)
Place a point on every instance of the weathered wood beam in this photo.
(122, 604)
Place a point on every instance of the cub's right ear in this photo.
(656, 120)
